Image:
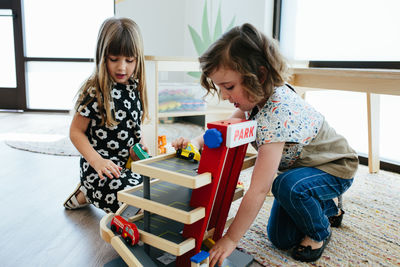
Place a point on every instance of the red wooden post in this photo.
(223, 154)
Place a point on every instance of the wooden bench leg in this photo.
(373, 103)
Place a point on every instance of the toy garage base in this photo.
(184, 203)
(236, 259)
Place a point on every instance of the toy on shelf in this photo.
(189, 152)
(129, 163)
(127, 230)
(240, 184)
(208, 243)
(140, 153)
(173, 97)
(200, 259)
(136, 153)
(162, 142)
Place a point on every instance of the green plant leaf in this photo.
(197, 41)
(218, 25)
(205, 31)
(201, 43)
(231, 24)
(194, 74)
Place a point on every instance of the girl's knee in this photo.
(289, 184)
(281, 186)
(278, 239)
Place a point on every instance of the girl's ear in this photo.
(262, 74)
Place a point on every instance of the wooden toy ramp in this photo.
(183, 202)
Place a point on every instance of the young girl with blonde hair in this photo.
(111, 106)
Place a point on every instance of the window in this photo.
(346, 30)
(337, 105)
(53, 85)
(60, 41)
(390, 128)
(346, 33)
(7, 53)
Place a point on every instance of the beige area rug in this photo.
(46, 134)
(370, 232)
(369, 235)
(52, 144)
(55, 141)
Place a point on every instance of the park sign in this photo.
(241, 133)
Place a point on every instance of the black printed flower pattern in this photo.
(112, 142)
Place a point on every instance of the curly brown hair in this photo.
(245, 49)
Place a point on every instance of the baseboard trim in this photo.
(384, 165)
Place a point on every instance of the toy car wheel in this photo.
(191, 155)
(179, 152)
(128, 240)
(113, 228)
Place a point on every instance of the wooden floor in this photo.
(35, 229)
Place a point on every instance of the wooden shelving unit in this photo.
(155, 65)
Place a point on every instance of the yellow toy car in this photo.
(189, 152)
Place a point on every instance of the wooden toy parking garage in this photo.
(185, 202)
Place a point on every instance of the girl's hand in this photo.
(180, 143)
(222, 249)
(108, 168)
(145, 148)
(133, 155)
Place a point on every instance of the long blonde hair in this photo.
(245, 49)
(117, 36)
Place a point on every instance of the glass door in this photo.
(8, 77)
(12, 90)
(47, 51)
(59, 58)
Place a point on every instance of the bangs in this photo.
(121, 45)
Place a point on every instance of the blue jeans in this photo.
(303, 202)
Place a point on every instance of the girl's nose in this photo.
(224, 94)
(122, 65)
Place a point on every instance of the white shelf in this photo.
(181, 114)
(208, 111)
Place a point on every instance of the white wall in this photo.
(160, 24)
(164, 24)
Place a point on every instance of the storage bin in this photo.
(177, 97)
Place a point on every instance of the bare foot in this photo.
(336, 200)
(307, 241)
(339, 213)
(81, 198)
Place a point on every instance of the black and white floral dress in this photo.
(112, 143)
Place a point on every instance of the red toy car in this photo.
(127, 230)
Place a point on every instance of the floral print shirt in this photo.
(286, 117)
